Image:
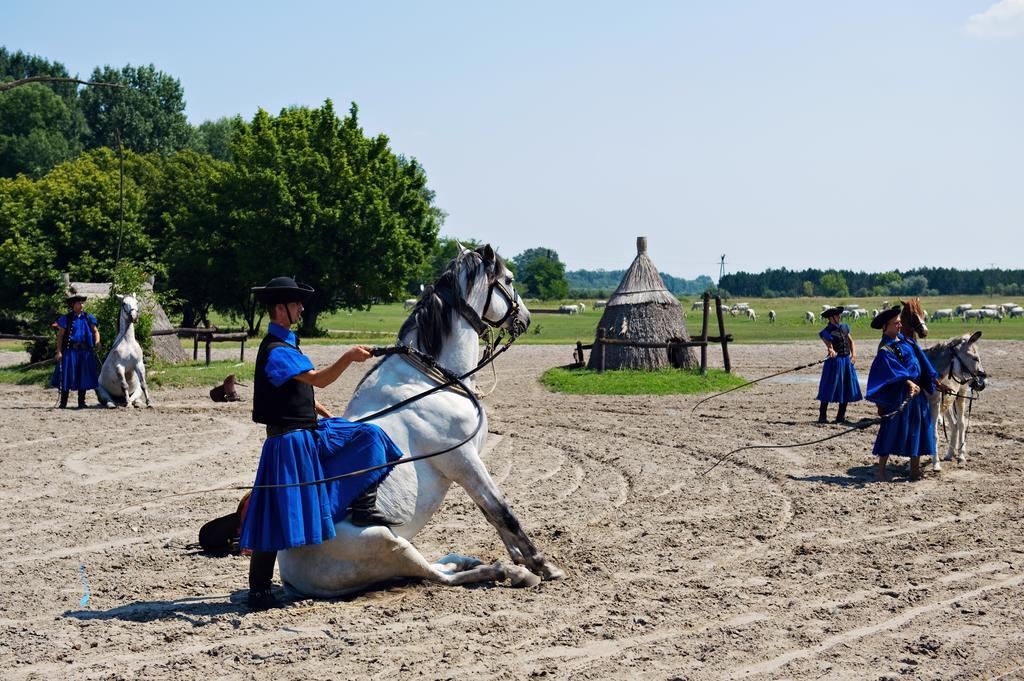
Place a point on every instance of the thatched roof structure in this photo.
(642, 309)
(167, 348)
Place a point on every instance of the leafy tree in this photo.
(27, 270)
(19, 65)
(37, 131)
(807, 288)
(189, 226)
(335, 208)
(914, 285)
(541, 274)
(149, 114)
(214, 137)
(834, 284)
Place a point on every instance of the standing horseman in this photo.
(901, 372)
(300, 448)
(78, 337)
(838, 375)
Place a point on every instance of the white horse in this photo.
(123, 375)
(771, 316)
(751, 315)
(958, 365)
(408, 303)
(809, 317)
(446, 325)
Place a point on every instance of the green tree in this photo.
(27, 270)
(834, 284)
(541, 274)
(441, 254)
(149, 115)
(334, 208)
(37, 131)
(214, 137)
(189, 227)
(807, 288)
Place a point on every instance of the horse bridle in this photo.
(975, 379)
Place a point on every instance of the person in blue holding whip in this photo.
(901, 372)
(77, 340)
(302, 448)
(838, 375)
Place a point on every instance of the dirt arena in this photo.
(787, 563)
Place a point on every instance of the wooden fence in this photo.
(702, 341)
(209, 335)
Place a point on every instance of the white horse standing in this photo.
(958, 365)
(475, 292)
(123, 375)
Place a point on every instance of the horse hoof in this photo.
(551, 572)
(521, 577)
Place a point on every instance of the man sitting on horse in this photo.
(284, 511)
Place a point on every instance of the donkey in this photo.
(123, 375)
(474, 293)
(958, 365)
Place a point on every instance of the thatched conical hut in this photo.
(642, 309)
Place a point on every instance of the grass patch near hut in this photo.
(158, 374)
(637, 382)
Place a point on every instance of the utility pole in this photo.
(721, 270)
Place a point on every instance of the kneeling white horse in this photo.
(958, 365)
(123, 375)
(474, 292)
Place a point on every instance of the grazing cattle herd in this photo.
(852, 312)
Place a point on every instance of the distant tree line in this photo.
(601, 283)
(932, 281)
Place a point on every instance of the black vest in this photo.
(839, 341)
(292, 404)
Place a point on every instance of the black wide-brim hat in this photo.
(282, 290)
(883, 317)
(833, 311)
(75, 298)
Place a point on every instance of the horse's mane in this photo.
(434, 314)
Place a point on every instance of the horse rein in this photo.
(450, 379)
(859, 426)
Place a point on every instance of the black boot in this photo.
(64, 399)
(81, 399)
(365, 513)
(841, 416)
(822, 415)
(261, 576)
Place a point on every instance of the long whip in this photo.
(859, 426)
(757, 380)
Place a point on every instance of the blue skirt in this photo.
(286, 517)
(909, 433)
(839, 381)
(344, 447)
(79, 367)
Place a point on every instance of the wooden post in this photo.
(704, 336)
(209, 343)
(601, 333)
(579, 351)
(241, 356)
(195, 346)
(721, 333)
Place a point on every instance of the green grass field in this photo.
(628, 382)
(379, 325)
(158, 374)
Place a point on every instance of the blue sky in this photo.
(870, 135)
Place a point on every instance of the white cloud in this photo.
(1005, 19)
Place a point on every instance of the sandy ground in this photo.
(786, 563)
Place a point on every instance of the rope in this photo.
(756, 380)
(859, 426)
(399, 348)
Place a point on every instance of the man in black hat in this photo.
(293, 514)
(77, 339)
(901, 373)
(838, 375)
